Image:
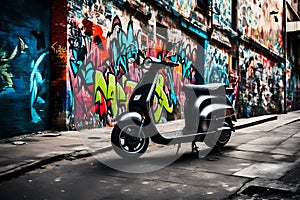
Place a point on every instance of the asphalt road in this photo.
(89, 179)
(248, 168)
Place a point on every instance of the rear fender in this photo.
(228, 124)
(214, 109)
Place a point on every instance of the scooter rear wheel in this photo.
(126, 142)
(224, 138)
(218, 141)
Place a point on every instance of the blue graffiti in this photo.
(124, 47)
(77, 47)
(216, 66)
(36, 83)
(186, 65)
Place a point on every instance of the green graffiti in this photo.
(119, 94)
(128, 89)
(113, 91)
(161, 100)
(6, 76)
(101, 83)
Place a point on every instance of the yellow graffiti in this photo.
(129, 87)
(119, 94)
(59, 53)
(162, 100)
(113, 91)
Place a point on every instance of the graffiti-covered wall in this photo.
(105, 47)
(261, 84)
(24, 66)
(261, 20)
(266, 83)
(222, 13)
(81, 72)
(217, 65)
(292, 87)
(218, 69)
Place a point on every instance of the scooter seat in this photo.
(208, 89)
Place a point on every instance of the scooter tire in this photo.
(126, 145)
(224, 138)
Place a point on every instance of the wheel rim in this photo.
(128, 140)
(224, 137)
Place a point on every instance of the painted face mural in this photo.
(261, 87)
(104, 52)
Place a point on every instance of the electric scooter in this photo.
(208, 114)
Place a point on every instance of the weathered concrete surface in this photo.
(265, 151)
(265, 170)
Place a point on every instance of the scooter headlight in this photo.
(147, 63)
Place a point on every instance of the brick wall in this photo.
(24, 66)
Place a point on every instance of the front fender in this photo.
(134, 116)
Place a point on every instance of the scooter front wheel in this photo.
(127, 142)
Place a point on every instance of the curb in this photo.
(256, 122)
(15, 172)
(18, 171)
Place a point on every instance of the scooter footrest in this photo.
(182, 134)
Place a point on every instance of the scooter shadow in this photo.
(157, 161)
(214, 155)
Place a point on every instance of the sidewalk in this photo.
(22, 154)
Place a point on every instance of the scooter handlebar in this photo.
(148, 62)
(170, 64)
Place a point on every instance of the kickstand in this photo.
(179, 146)
(195, 148)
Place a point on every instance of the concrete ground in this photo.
(25, 153)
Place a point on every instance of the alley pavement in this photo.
(25, 153)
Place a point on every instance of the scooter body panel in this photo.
(205, 106)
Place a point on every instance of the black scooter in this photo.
(208, 112)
